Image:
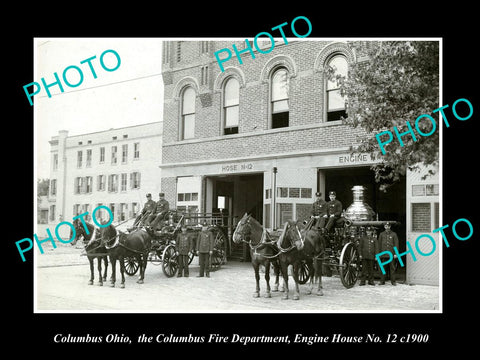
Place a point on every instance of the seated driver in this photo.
(319, 210)
(334, 210)
(160, 211)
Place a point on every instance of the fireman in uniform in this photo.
(368, 248)
(319, 210)
(204, 249)
(161, 209)
(147, 210)
(334, 210)
(387, 240)
(184, 245)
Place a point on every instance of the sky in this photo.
(129, 95)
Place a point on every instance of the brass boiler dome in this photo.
(359, 210)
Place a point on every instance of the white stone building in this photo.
(116, 168)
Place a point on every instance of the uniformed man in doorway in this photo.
(368, 248)
(205, 242)
(161, 210)
(148, 209)
(334, 210)
(319, 211)
(387, 240)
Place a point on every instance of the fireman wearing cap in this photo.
(184, 245)
(147, 210)
(334, 210)
(161, 210)
(387, 240)
(368, 247)
(319, 211)
(204, 249)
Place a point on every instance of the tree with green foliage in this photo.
(42, 187)
(397, 82)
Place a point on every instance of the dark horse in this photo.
(93, 248)
(120, 245)
(262, 251)
(296, 246)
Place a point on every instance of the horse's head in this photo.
(291, 236)
(84, 229)
(108, 235)
(243, 230)
(77, 226)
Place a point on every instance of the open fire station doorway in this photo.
(234, 195)
(389, 205)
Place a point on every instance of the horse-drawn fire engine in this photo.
(163, 250)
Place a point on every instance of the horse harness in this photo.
(266, 240)
(118, 243)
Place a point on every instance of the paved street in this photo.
(62, 277)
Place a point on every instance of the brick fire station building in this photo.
(263, 136)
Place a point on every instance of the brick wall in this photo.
(269, 142)
(303, 59)
(169, 187)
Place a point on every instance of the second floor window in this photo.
(89, 158)
(188, 114)
(123, 182)
(101, 182)
(124, 153)
(113, 183)
(88, 184)
(55, 162)
(335, 101)
(136, 150)
(53, 187)
(135, 180)
(231, 106)
(102, 154)
(78, 185)
(280, 107)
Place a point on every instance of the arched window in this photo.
(231, 106)
(335, 101)
(188, 114)
(279, 96)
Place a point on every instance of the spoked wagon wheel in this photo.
(169, 261)
(349, 265)
(219, 254)
(131, 265)
(303, 273)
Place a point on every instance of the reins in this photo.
(118, 243)
(266, 240)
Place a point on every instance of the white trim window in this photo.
(336, 108)
(231, 106)
(188, 113)
(280, 98)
